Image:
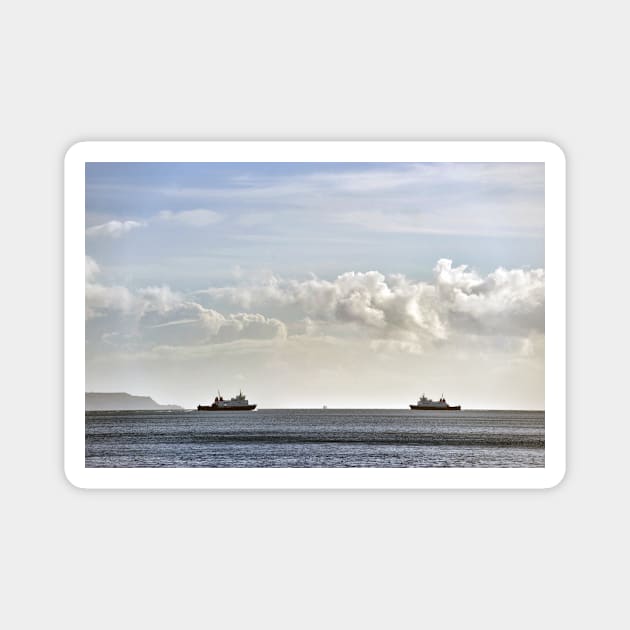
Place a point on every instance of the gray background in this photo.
(287, 70)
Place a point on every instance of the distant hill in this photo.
(121, 401)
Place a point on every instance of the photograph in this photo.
(314, 314)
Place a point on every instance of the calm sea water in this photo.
(305, 438)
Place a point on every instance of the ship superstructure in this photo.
(427, 404)
(237, 403)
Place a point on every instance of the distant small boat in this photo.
(324, 407)
(426, 404)
(238, 403)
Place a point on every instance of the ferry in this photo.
(426, 404)
(237, 403)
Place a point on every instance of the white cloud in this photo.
(392, 178)
(160, 299)
(185, 322)
(91, 268)
(505, 302)
(159, 315)
(487, 219)
(113, 229)
(464, 332)
(360, 336)
(501, 199)
(100, 299)
(199, 217)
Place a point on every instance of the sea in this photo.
(309, 438)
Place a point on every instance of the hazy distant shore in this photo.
(121, 401)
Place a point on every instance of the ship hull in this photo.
(213, 408)
(435, 408)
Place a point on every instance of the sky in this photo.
(311, 284)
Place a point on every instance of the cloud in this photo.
(459, 313)
(113, 229)
(505, 301)
(393, 177)
(186, 322)
(458, 301)
(360, 336)
(91, 268)
(100, 298)
(199, 217)
(160, 299)
(159, 315)
(500, 199)
(488, 219)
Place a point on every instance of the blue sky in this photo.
(197, 251)
(315, 218)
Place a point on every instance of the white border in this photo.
(316, 151)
